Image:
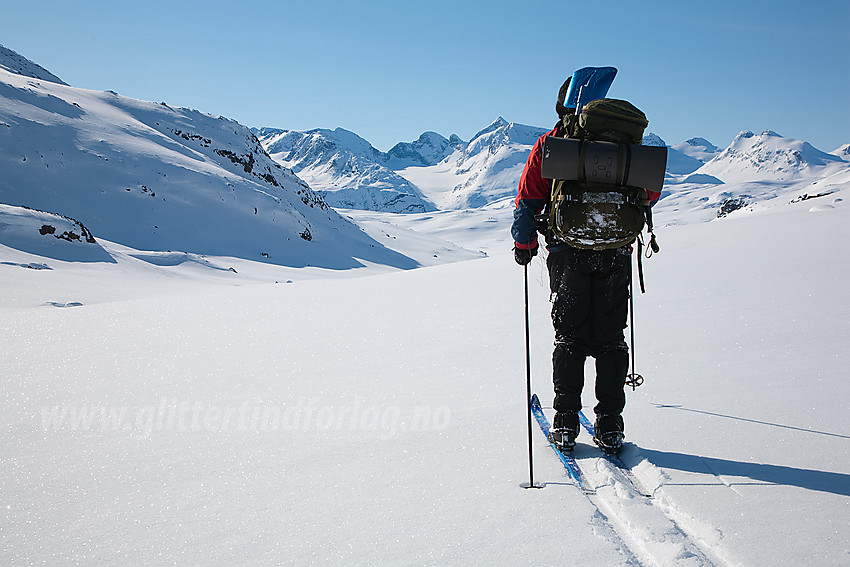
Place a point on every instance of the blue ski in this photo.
(616, 460)
(567, 460)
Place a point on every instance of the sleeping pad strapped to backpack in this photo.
(601, 175)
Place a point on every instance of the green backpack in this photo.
(595, 207)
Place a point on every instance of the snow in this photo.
(158, 178)
(431, 173)
(651, 139)
(430, 149)
(484, 171)
(346, 170)
(16, 63)
(183, 405)
(843, 152)
(380, 419)
(767, 156)
(697, 148)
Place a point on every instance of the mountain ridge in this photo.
(345, 169)
(14, 62)
(487, 168)
(153, 177)
(331, 167)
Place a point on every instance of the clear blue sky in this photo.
(390, 70)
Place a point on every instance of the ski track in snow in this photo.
(654, 530)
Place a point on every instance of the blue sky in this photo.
(392, 70)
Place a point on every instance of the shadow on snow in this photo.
(821, 481)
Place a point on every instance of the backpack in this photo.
(600, 174)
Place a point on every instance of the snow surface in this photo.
(381, 420)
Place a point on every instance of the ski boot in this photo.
(608, 433)
(564, 431)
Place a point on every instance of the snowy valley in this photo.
(226, 345)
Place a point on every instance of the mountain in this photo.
(490, 166)
(480, 172)
(697, 148)
(749, 174)
(768, 157)
(678, 162)
(16, 63)
(158, 178)
(345, 169)
(453, 175)
(429, 173)
(652, 139)
(430, 149)
(843, 152)
(690, 155)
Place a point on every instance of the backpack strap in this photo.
(653, 246)
(613, 197)
(640, 263)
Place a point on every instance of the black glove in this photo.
(523, 256)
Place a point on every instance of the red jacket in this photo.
(534, 193)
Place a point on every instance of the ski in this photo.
(567, 460)
(615, 460)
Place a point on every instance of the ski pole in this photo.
(528, 381)
(528, 385)
(632, 379)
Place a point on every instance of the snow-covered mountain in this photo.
(480, 172)
(843, 152)
(489, 167)
(159, 178)
(486, 170)
(752, 171)
(16, 63)
(181, 179)
(698, 148)
(677, 162)
(652, 139)
(345, 169)
(429, 173)
(689, 156)
(768, 157)
(430, 149)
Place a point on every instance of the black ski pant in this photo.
(590, 296)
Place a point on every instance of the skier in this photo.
(589, 295)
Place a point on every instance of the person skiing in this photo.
(589, 295)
